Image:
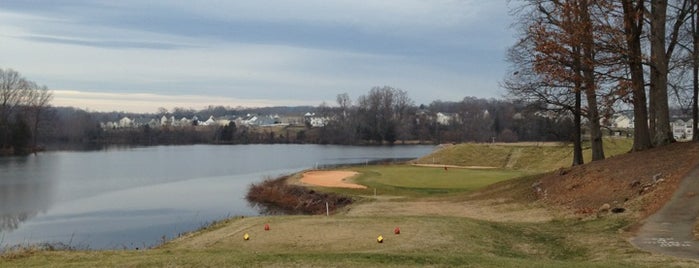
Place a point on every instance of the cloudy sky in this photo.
(140, 55)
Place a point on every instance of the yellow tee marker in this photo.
(379, 239)
(246, 237)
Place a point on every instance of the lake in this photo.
(125, 198)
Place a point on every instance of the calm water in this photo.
(128, 198)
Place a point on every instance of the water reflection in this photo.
(132, 197)
(25, 190)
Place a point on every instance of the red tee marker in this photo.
(396, 231)
(266, 227)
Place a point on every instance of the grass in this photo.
(525, 157)
(351, 242)
(416, 181)
(401, 180)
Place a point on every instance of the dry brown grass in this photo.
(498, 210)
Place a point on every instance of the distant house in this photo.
(183, 122)
(682, 130)
(315, 121)
(444, 119)
(622, 121)
(143, 121)
(248, 120)
(164, 121)
(208, 122)
(125, 122)
(108, 125)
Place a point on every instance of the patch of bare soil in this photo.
(330, 178)
(639, 182)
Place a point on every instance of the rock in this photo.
(536, 184)
(618, 210)
(657, 177)
(538, 190)
(635, 183)
(603, 209)
(562, 171)
(645, 188)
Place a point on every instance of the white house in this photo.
(682, 130)
(319, 121)
(125, 122)
(208, 122)
(444, 119)
(313, 120)
(164, 121)
(622, 121)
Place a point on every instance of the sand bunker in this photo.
(335, 178)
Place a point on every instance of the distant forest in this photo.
(383, 116)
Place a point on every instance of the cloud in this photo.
(149, 102)
(301, 51)
(104, 43)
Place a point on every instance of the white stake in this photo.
(327, 209)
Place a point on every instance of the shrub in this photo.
(275, 196)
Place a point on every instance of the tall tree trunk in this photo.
(588, 70)
(593, 116)
(577, 140)
(660, 111)
(695, 70)
(633, 23)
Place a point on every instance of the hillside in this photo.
(622, 180)
(532, 157)
(626, 180)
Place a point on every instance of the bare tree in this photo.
(345, 103)
(38, 102)
(12, 92)
(633, 29)
(378, 113)
(22, 103)
(556, 62)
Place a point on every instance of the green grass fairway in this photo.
(413, 181)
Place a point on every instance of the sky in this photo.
(140, 55)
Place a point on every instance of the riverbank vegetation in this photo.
(276, 196)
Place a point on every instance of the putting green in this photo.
(426, 178)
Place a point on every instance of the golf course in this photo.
(467, 205)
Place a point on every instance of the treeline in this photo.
(388, 115)
(384, 115)
(23, 104)
(585, 57)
